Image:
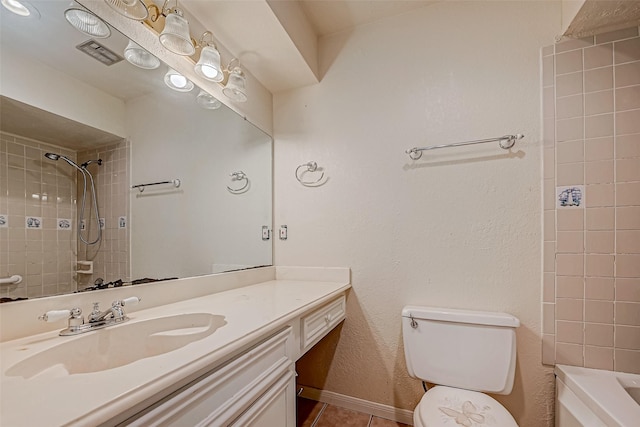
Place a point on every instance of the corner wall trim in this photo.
(377, 409)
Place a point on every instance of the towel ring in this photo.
(239, 176)
(311, 167)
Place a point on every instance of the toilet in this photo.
(467, 353)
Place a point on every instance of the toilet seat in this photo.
(445, 406)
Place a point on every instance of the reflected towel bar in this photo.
(140, 187)
(506, 142)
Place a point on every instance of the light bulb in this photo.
(178, 80)
(209, 72)
(16, 7)
(21, 8)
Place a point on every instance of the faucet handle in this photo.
(95, 313)
(130, 301)
(55, 315)
(117, 307)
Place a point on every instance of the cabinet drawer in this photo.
(222, 395)
(318, 324)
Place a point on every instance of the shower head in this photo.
(54, 156)
(88, 162)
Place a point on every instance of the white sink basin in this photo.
(117, 345)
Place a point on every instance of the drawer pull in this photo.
(327, 318)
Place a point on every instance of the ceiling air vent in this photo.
(99, 52)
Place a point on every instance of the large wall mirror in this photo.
(72, 126)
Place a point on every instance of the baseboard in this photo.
(379, 410)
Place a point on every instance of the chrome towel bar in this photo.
(140, 187)
(506, 142)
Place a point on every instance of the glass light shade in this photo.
(177, 81)
(208, 101)
(87, 23)
(139, 57)
(132, 9)
(175, 35)
(208, 65)
(235, 88)
(20, 8)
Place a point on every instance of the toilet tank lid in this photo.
(461, 316)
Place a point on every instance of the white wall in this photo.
(185, 231)
(570, 9)
(37, 84)
(459, 228)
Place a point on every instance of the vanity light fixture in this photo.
(21, 8)
(87, 23)
(207, 101)
(177, 81)
(208, 65)
(175, 36)
(140, 57)
(132, 9)
(235, 89)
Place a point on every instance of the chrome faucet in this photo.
(95, 320)
(116, 312)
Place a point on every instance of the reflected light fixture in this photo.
(175, 36)
(208, 65)
(132, 9)
(87, 23)
(177, 81)
(207, 101)
(140, 57)
(235, 88)
(20, 8)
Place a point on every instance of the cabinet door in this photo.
(220, 397)
(275, 408)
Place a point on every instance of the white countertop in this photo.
(250, 312)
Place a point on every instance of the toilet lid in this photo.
(452, 407)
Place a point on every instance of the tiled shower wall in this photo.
(32, 186)
(111, 256)
(591, 289)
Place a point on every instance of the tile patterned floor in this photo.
(318, 414)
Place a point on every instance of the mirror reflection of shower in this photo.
(85, 172)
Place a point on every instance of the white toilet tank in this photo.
(473, 350)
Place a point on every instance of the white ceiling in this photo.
(332, 16)
(270, 36)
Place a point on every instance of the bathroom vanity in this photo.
(226, 358)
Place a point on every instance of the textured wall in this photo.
(459, 228)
